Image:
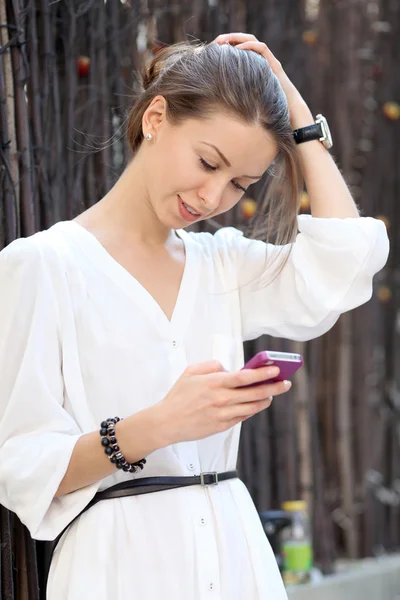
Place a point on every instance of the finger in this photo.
(261, 49)
(234, 38)
(260, 392)
(252, 44)
(261, 406)
(256, 47)
(205, 368)
(246, 377)
(249, 410)
(266, 402)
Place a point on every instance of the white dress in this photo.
(81, 340)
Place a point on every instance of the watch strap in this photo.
(309, 133)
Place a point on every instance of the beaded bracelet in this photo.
(112, 449)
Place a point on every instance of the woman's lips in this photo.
(185, 214)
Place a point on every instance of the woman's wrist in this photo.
(141, 434)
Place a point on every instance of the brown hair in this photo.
(198, 79)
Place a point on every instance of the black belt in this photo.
(146, 485)
(133, 487)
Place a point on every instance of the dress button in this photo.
(174, 343)
(191, 467)
(203, 521)
(211, 587)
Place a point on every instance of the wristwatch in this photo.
(319, 131)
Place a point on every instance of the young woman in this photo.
(121, 313)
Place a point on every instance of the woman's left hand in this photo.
(246, 41)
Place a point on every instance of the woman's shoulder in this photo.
(34, 253)
(24, 250)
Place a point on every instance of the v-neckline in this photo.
(184, 303)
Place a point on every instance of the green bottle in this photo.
(297, 544)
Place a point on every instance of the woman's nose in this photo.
(211, 198)
(210, 204)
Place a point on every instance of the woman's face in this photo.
(203, 166)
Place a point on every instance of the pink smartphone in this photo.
(287, 362)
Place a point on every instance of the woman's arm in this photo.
(138, 436)
(327, 190)
(328, 193)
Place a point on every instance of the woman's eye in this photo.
(238, 186)
(209, 167)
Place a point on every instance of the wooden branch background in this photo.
(334, 439)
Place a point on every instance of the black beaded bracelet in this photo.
(112, 449)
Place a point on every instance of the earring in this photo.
(149, 136)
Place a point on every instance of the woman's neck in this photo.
(126, 211)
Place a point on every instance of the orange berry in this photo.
(305, 201)
(391, 110)
(248, 207)
(309, 37)
(384, 293)
(83, 65)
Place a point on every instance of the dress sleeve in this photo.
(329, 271)
(37, 435)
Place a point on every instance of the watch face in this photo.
(326, 138)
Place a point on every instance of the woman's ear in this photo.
(154, 115)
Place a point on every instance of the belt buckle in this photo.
(213, 473)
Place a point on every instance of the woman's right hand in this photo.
(207, 399)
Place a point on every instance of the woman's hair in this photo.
(198, 79)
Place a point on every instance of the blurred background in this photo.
(66, 84)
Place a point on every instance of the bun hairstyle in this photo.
(199, 79)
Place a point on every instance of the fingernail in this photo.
(287, 384)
